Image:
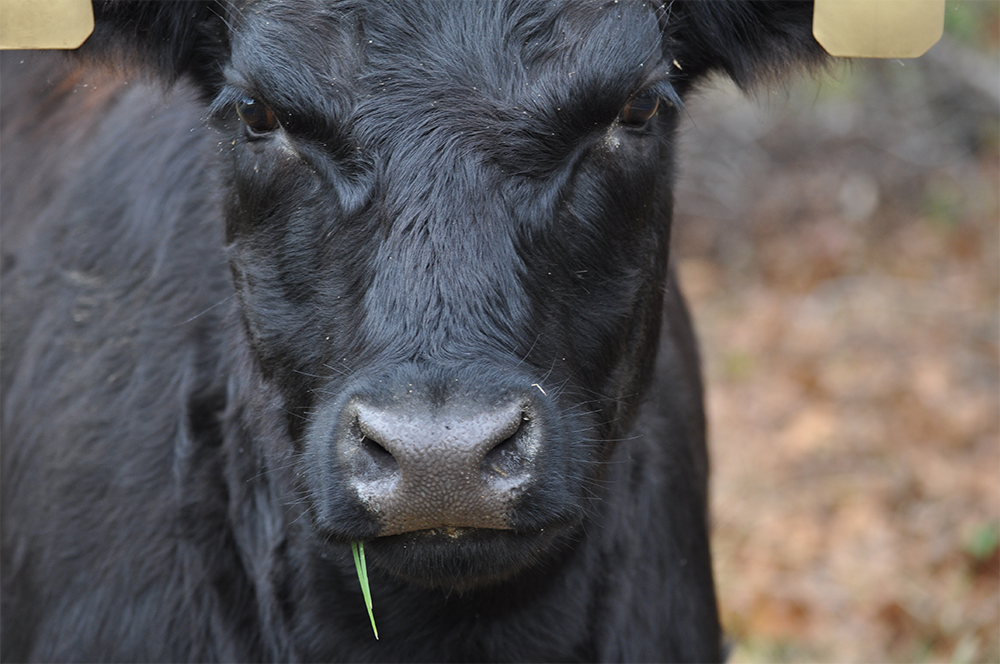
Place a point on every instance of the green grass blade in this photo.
(358, 549)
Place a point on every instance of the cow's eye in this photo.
(258, 117)
(639, 109)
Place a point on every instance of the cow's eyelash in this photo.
(666, 92)
(225, 102)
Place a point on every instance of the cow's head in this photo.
(448, 228)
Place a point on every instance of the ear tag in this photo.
(878, 28)
(41, 24)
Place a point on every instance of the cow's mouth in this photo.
(460, 559)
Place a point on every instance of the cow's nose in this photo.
(420, 468)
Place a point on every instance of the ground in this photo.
(838, 240)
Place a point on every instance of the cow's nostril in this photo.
(379, 459)
(506, 460)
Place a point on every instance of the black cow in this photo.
(392, 272)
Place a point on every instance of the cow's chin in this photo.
(461, 559)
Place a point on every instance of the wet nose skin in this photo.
(420, 468)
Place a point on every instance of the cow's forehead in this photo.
(509, 51)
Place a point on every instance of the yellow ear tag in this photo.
(878, 28)
(45, 23)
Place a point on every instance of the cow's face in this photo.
(449, 230)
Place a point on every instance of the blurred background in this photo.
(838, 241)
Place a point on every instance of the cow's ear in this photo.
(750, 40)
(170, 39)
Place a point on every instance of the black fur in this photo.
(454, 207)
